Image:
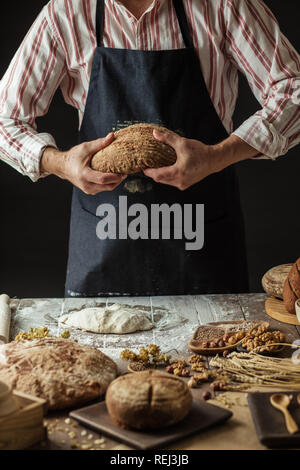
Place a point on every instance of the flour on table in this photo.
(115, 318)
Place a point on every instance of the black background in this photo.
(35, 216)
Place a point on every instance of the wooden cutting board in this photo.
(270, 423)
(275, 309)
(201, 417)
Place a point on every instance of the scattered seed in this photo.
(99, 441)
(72, 434)
(90, 436)
(86, 446)
(83, 433)
(68, 421)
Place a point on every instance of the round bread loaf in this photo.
(133, 150)
(62, 372)
(274, 279)
(148, 400)
(291, 289)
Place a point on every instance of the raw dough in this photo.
(116, 318)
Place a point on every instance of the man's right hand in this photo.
(74, 166)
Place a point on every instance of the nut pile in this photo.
(179, 368)
(260, 339)
(195, 363)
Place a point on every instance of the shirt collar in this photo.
(155, 4)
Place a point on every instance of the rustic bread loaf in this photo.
(274, 279)
(133, 150)
(148, 400)
(62, 372)
(291, 289)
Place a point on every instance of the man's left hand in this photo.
(195, 161)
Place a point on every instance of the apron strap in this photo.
(183, 23)
(180, 12)
(100, 17)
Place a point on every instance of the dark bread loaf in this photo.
(133, 150)
(148, 400)
(291, 289)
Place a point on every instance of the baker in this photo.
(168, 62)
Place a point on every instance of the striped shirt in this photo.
(228, 35)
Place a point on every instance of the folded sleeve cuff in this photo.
(34, 146)
(264, 137)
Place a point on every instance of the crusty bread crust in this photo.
(291, 289)
(148, 400)
(274, 279)
(62, 372)
(133, 150)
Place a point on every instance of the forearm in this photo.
(53, 162)
(256, 45)
(26, 93)
(230, 151)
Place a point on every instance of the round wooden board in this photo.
(275, 309)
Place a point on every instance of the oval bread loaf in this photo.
(274, 279)
(61, 371)
(148, 400)
(133, 150)
(291, 289)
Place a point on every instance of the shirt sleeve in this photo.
(271, 65)
(26, 91)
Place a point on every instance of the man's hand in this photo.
(196, 161)
(74, 166)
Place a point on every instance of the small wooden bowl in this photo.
(8, 402)
(195, 345)
(136, 366)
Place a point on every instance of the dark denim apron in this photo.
(165, 87)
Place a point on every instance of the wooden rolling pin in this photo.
(5, 314)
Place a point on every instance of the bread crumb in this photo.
(72, 434)
(68, 421)
(83, 433)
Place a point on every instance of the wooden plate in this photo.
(195, 345)
(275, 309)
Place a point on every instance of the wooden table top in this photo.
(193, 311)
